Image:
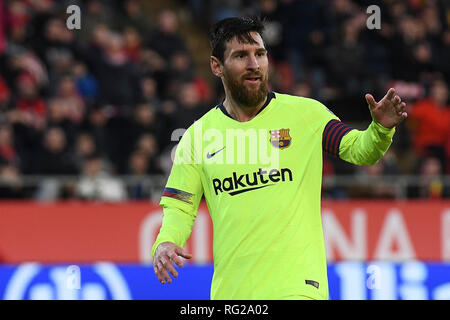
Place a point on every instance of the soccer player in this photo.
(268, 239)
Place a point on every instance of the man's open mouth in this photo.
(253, 79)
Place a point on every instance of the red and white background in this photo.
(77, 232)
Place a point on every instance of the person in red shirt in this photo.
(29, 104)
(429, 122)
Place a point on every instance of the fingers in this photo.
(158, 273)
(161, 267)
(173, 257)
(164, 258)
(161, 273)
(400, 108)
(390, 108)
(169, 266)
(390, 94)
(183, 253)
(176, 259)
(370, 101)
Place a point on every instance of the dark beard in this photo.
(244, 97)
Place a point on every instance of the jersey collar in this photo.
(270, 96)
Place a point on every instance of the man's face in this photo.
(245, 71)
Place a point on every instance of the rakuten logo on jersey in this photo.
(248, 182)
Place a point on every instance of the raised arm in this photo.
(366, 147)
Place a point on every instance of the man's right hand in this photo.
(165, 254)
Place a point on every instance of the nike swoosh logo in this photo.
(210, 155)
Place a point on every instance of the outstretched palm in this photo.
(389, 111)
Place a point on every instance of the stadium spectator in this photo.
(2, 29)
(58, 116)
(140, 187)
(271, 11)
(8, 153)
(75, 105)
(23, 61)
(166, 39)
(55, 157)
(149, 90)
(135, 17)
(117, 76)
(148, 146)
(11, 184)
(87, 85)
(5, 101)
(96, 124)
(94, 13)
(147, 120)
(431, 185)
(132, 44)
(30, 107)
(96, 183)
(443, 52)
(84, 147)
(431, 112)
(16, 20)
(153, 65)
(189, 106)
(346, 57)
(180, 69)
(56, 49)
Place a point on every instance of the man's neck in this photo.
(241, 114)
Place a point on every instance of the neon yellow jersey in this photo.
(262, 183)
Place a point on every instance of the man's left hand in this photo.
(389, 111)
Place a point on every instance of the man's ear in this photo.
(216, 66)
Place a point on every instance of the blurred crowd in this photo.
(105, 100)
(97, 102)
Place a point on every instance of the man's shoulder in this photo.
(296, 101)
(304, 105)
(299, 103)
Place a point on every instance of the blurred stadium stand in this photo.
(89, 114)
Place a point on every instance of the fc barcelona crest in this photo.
(280, 138)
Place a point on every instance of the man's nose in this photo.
(252, 63)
